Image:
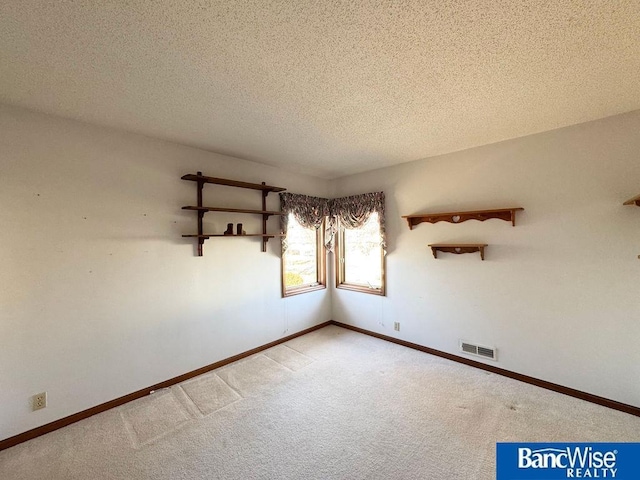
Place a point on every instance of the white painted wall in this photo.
(99, 294)
(557, 294)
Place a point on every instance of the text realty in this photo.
(578, 462)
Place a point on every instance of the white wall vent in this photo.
(478, 350)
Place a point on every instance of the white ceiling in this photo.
(324, 87)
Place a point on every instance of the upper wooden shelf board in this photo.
(633, 201)
(458, 248)
(507, 214)
(231, 210)
(209, 235)
(231, 183)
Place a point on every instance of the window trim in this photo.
(321, 261)
(340, 271)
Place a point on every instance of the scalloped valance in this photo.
(352, 211)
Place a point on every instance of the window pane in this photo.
(301, 257)
(363, 254)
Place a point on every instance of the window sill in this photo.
(361, 289)
(298, 291)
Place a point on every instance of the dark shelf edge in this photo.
(220, 235)
(466, 212)
(458, 245)
(231, 183)
(633, 201)
(231, 210)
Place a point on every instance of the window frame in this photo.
(321, 268)
(340, 268)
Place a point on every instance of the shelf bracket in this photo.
(264, 219)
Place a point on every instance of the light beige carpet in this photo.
(333, 404)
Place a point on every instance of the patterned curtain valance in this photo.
(308, 212)
(353, 212)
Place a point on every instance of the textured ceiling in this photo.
(324, 87)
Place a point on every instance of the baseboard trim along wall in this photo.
(623, 407)
(76, 417)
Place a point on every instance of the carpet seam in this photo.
(119, 401)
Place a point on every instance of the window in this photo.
(303, 262)
(360, 258)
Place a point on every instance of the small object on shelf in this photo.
(458, 248)
(239, 229)
(633, 201)
(229, 230)
(507, 214)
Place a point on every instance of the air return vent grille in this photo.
(478, 350)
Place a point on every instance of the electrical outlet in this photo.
(40, 401)
(396, 326)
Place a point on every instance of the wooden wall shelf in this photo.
(458, 248)
(201, 180)
(633, 201)
(507, 214)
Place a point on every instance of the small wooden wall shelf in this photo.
(507, 214)
(633, 201)
(201, 180)
(458, 248)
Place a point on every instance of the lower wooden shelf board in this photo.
(266, 235)
(458, 248)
